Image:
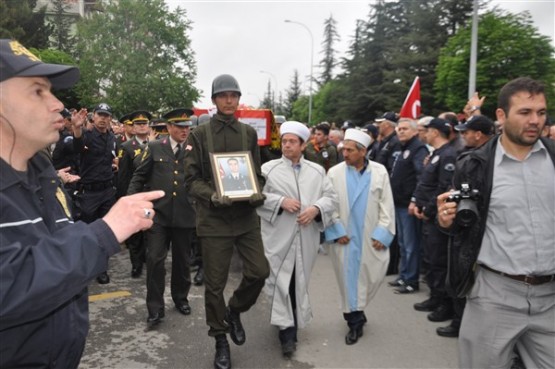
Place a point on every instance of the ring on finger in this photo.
(147, 213)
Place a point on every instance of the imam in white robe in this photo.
(289, 246)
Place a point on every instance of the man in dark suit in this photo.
(235, 180)
(162, 167)
(129, 156)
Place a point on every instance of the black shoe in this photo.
(449, 331)
(222, 360)
(136, 271)
(442, 313)
(407, 288)
(184, 309)
(154, 319)
(354, 334)
(199, 277)
(103, 278)
(427, 305)
(288, 348)
(396, 283)
(237, 333)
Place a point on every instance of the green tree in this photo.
(137, 55)
(62, 38)
(20, 21)
(268, 101)
(399, 41)
(68, 97)
(509, 46)
(293, 94)
(329, 61)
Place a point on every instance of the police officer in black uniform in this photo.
(435, 179)
(162, 168)
(97, 149)
(129, 156)
(64, 155)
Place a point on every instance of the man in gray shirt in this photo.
(504, 263)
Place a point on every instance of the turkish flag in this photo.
(411, 106)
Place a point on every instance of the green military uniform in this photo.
(325, 156)
(174, 223)
(219, 229)
(129, 158)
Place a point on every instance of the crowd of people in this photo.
(458, 201)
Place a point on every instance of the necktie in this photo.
(177, 150)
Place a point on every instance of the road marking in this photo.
(109, 295)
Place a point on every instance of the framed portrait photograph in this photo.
(234, 174)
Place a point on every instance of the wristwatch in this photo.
(473, 108)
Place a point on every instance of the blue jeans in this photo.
(408, 237)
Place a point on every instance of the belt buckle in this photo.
(528, 279)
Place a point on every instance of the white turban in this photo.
(358, 136)
(295, 128)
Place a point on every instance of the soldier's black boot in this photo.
(223, 356)
(237, 332)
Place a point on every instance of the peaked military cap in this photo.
(124, 119)
(180, 117)
(140, 116)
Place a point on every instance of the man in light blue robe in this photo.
(359, 250)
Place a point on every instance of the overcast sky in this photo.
(243, 38)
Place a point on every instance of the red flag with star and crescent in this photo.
(411, 106)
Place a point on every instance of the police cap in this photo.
(17, 61)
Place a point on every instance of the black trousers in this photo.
(96, 204)
(216, 258)
(137, 249)
(435, 244)
(158, 241)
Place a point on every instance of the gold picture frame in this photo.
(234, 175)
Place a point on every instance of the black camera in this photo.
(467, 210)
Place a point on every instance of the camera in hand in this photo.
(467, 210)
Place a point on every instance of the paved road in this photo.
(396, 335)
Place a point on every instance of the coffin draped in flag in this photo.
(411, 106)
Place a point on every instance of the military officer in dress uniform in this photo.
(129, 158)
(162, 167)
(128, 131)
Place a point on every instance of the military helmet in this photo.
(223, 83)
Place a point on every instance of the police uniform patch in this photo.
(449, 167)
(61, 196)
(406, 154)
(435, 159)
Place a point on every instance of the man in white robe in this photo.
(300, 203)
(360, 254)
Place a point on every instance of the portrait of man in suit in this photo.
(234, 179)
